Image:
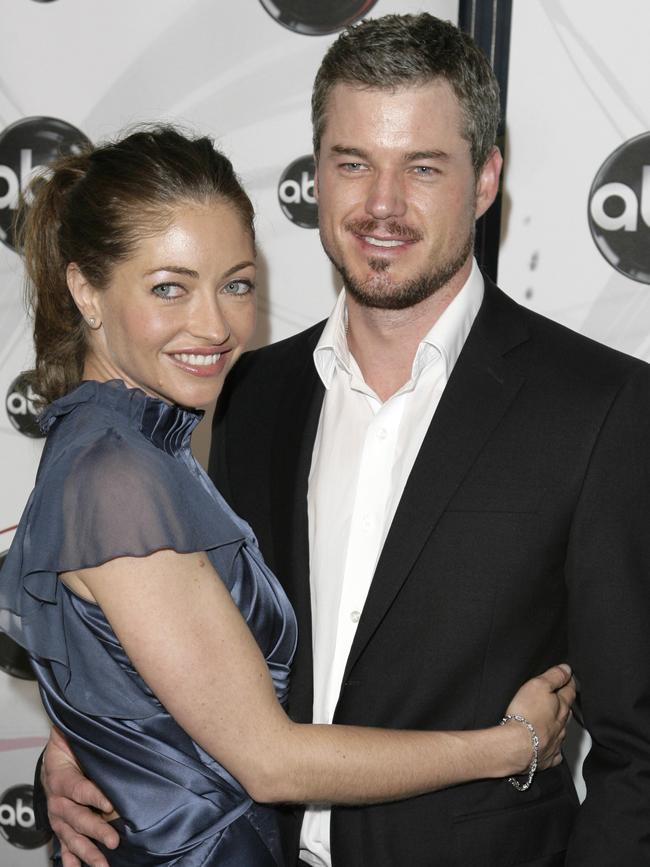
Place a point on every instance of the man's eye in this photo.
(168, 291)
(352, 167)
(425, 171)
(238, 287)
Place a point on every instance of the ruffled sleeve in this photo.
(100, 494)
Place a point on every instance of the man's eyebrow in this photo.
(414, 156)
(349, 151)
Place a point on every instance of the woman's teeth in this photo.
(198, 360)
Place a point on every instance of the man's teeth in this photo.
(198, 360)
(379, 242)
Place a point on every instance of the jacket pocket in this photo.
(534, 833)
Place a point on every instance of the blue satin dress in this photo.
(117, 478)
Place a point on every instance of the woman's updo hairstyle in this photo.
(92, 208)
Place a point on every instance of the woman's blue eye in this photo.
(167, 291)
(238, 287)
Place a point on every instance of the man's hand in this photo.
(70, 797)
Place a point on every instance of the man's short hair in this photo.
(397, 51)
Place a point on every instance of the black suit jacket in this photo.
(521, 540)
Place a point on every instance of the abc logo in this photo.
(296, 193)
(17, 824)
(619, 209)
(21, 409)
(314, 17)
(26, 148)
(13, 659)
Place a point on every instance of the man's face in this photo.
(397, 192)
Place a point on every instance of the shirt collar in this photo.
(332, 348)
(445, 339)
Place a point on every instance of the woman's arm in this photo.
(184, 634)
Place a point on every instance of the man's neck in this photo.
(384, 342)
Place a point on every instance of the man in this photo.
(453, 490)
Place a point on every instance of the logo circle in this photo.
(21, 408)
(26, 148)
(17, 822)
(619, 209)
(296, 193)
(314, 17)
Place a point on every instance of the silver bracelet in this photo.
(532, 767)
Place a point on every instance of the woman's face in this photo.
(177, 314)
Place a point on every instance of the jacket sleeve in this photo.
(608, 578)
(218, 461)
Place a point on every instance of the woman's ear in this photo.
(84, 296)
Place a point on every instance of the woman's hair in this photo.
(92, 208)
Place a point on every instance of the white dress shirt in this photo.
(363, 454)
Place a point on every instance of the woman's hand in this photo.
(545, 701)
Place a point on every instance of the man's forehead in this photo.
(412, 111)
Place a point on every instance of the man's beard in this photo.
(380, 292)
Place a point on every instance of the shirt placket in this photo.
(367, 531)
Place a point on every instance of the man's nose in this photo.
(386, 197)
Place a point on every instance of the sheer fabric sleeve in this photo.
(115, 495)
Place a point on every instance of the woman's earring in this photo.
(93, 322)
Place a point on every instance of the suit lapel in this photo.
(480, 390)
(297, 415)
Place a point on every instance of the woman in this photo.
(161, 641)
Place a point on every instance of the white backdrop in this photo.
(577, 91)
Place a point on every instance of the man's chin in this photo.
(386, 291)
(382, 288)
(386, 294)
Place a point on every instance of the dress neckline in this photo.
(167, 426)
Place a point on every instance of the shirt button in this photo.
(382, 433)
(354, 616)
(366, 522)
